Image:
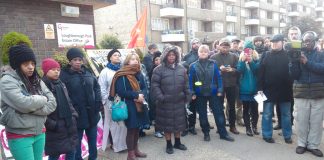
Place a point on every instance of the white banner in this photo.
(75, 35)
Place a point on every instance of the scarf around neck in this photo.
(114, 67)
(129, 71)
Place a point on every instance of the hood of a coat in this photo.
(11, 73)
(166, 51)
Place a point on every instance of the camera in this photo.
(294, 49)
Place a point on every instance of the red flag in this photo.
(138, 32)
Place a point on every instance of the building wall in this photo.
(29, 17)
(116, 20)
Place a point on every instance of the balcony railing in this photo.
(230, 14)
(172, 5)
(173, 32)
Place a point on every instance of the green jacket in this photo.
(23, 113)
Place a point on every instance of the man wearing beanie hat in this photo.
(275, 83)
(258, 43)
(61, 130)
(84, 91)
(26, 103)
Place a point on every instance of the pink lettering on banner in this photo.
(84, 145)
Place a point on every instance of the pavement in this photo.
(244, 148)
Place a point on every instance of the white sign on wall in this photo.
(75, 35)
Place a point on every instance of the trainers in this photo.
(158, 135)
(316, 152)
(269, 140)
(180, 147)
(300, 150)
(288, 140)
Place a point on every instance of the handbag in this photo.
(119, 108)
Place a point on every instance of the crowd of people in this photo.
(166, 91)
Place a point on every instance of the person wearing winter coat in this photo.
(61, 130)
(129, 84)
(171, 93)
(308, 89)
(247, 67)
(26, 102)
(117, 130)
(275, 82)
(187, 60)
(205, 83)
(156, 62)
(84, 92)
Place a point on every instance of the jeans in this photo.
(68, 156)
(28, 148)
(285, 119)
(230, 93)
(91, 134)
(217, 108)
(291, 111)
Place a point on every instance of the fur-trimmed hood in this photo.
(166, 51)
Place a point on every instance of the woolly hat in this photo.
(48, 64)
(224, 42)
(156, 55)
(73, 53)
(195, 40)
(258, 38)
(19, 54)
(111, 53)
(248, 44)
(277, 37)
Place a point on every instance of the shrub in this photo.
(110, 42)
(10, 39)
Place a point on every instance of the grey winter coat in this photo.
(24, 113)
(171, 92)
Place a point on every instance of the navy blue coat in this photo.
(135, 119)
(84, 91)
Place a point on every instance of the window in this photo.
(230, 28)
(263, 14)
(269, 15)
(194, 3)
(160, 24)
(219, 27)
(304, 8)
(262, 30)
(193, 25)
(269, 30)
(269, 1)
(218, 6)
(230, 11)
(160, 2)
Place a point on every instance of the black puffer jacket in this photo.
(61, 137)
(84, 92)
(170, 90)
(188, 59)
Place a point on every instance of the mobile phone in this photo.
(247, 51)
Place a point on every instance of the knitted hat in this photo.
(195, 40)
(48, 64)
(19, 54)
(156, 54)
(248, 44)
(73, 53)
(224, 42)
(111, 53)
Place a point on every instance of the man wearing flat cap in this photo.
(227, 62)
(275, 83)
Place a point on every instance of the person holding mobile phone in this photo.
(227, 62)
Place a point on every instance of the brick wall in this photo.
(29, 17)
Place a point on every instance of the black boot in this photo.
(255, 131)
(169, 148)
(192, 130)
(184, 133)
(206, 137)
